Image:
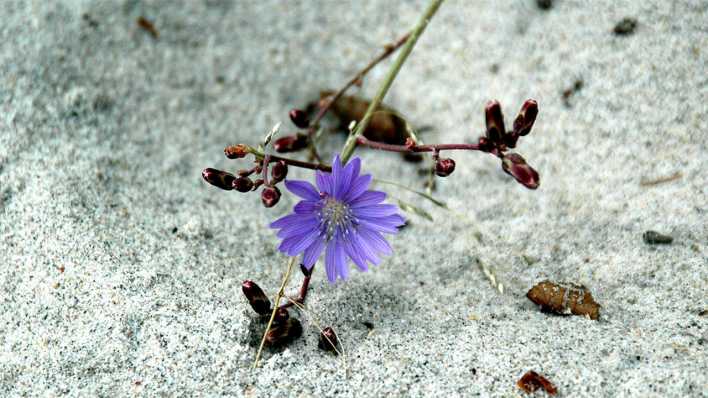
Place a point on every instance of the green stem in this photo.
(350, 145)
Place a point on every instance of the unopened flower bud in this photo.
(485, 145)
(243, 184)
(299, 118)
(281, 315)
(515, 165)
(328, 340)
(218, 178)
(290, 143)
(258, 300)
(527, 116)
(270, 196)
(444, 167)
(283, 333)
(236, 151)
(495, 121)
(278, 171)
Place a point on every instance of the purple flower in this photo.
(341, 217)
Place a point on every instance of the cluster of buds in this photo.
(270, 195)
(285, 328)
(497, 140)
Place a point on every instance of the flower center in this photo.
(334, 215)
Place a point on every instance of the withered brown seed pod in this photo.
(564, 299)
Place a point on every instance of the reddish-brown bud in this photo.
(485, 145)
(236, 151)
(281, 315)
(258, 300)
(299, 118)
(290, 143)
(328, 340)
(527, 116)
(515, 165)
(243, 184)
(270, 196)
(283, 333)
(495, 121)
(218, 178)
(278, 171)
(444, 167)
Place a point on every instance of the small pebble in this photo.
(625, 27)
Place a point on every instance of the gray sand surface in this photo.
(104, 132)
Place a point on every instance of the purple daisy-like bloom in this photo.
(342, 217)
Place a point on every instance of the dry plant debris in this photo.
(564, 298)
(532, 381)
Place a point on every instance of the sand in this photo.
(120, 268)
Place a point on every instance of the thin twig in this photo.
(644, 182)
(275, 309)
(350, 145)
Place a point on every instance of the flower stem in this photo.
(416, 148)
(350, 145)
(278, 296)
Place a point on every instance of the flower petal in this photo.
(337, 174)
(291, 219)
(331, 261)
(375, 241)
(306, 207)
(301, 243)
(368, 198)
(353, 251)
(302, 189)
(349, 175)
(374, 226)
(306, 227)
(358, 187)
(363, 247)
(312, 253)
(324, 181)
(380, 210)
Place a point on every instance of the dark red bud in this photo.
(495, 121)
(510, 139)
(290, 143)
(218, 178)
(270, 196)
(281, 316)
(236, 151)
(243, 184)
(527, 116)
(258, 300)
(328, 340)
(283, 333)
(299, 118)
(278, 171)
(515, 165)
(444, 167)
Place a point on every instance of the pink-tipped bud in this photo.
(258, 300)
(299, 118)
(236, 151)
(527, 116)
(515, 165)
(279, 171)
(290, 143)
(283, 333)
(444, 167)
(243, 184)
(270, 196)
(218, 178)
(495, 121)
(328, 340)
